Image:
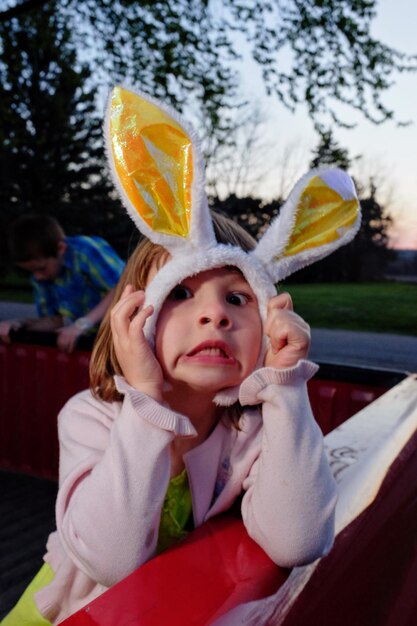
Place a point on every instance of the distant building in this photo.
(403, 266)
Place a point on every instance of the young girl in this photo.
(198, 394)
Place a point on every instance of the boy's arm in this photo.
(68, 335)
(103, 267)
(98, 312)
(44, 324)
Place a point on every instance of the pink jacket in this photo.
(115, 470)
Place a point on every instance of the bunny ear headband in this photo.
(159, 172)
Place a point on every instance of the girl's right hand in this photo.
(136, 359)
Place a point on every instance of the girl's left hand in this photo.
(289, 334)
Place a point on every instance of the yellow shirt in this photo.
(176, 512)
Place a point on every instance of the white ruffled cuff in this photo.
(258, 380)
(154, 412)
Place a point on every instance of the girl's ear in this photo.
(158, 170)
(321, 214)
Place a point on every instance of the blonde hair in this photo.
(104, 364)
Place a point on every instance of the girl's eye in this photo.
(237, 299)
(180, 292)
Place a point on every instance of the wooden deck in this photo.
(27, 517)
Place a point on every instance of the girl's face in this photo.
(209, 331)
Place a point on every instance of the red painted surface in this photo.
(35, 382)
(370, 576)
(216, 568)
(333, 402)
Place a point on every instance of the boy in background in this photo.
(73, 278)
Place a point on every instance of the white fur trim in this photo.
(179, 268)
(340, 181)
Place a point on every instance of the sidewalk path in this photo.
(388, 351)
(397, 352)
(16, 310)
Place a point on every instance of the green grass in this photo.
(15, 286)
(376, 307)
(16, 295)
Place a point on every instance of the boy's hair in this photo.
(34, 237)
(104, 364)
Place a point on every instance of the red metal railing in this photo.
(35, 383)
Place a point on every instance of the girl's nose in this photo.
(217, 316)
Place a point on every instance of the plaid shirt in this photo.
(90, 269)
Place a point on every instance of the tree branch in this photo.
(20, 9)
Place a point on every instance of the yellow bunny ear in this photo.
(321, 214)
(152, 159)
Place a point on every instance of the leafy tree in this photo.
(319, 53)
(370, 247)
(253, 214)
(51, 156)
(329, 153)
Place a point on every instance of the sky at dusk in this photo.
(388, 152)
